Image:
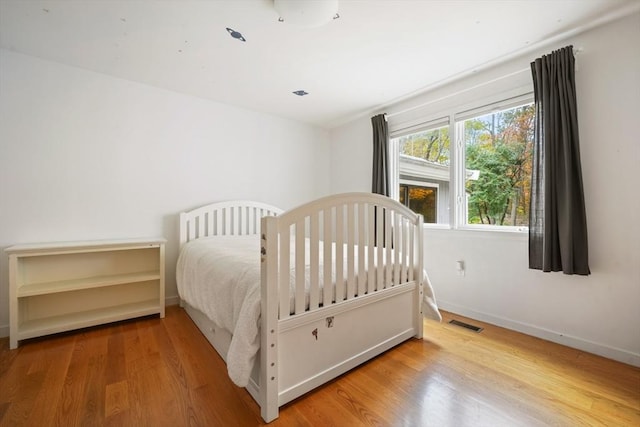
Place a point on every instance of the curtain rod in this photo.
(451, 95)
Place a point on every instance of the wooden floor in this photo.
(153, 372)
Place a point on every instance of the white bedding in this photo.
(220, 276)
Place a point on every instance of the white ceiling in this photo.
(376, 53)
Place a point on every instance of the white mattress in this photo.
(220, 276)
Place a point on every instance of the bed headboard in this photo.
(236, 217)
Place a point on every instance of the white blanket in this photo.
(220, 276)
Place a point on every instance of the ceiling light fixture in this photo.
(301, 92)
(306, 13)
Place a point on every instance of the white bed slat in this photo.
(402, 256)
(388, 245)
(220, 223)
(371, 272)
(362, 209)
(314, 288)
(405, 249)
(236, 220)
(411, 254)
(300, 271)
(241, 221)
(233, 220)
(192, 229)
(380, 248)
(351, 281)
(327, 288)
(285, 268)
(254, 221)
(243, 225)
(209, 231)
(397, 241)
(339, 239)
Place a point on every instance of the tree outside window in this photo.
(498, 149)
(491, 182)
(431, 145)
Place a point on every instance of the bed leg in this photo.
(269, 414)
(422, 277)
(269, 368)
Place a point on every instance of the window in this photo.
(483, 180)
(424, 172)
(497, 159)
(422, 199)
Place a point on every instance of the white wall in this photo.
(599, 313)
(86, 156)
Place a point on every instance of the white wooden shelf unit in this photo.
(57, 287)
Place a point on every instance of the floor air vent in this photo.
(465, 325)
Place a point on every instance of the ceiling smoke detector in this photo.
(306, 13)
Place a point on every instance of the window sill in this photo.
(498, 229)
(490, 233)
(431, 226)
(495, 228)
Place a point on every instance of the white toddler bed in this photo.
(288, 298)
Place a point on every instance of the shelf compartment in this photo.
(49, 305)
(84, 319)
(33, 289)
(77, 266)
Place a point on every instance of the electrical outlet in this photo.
(460, 267)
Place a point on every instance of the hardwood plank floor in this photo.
(162, 372)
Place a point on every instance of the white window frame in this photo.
(457, 180)
(460, 161)
(408, 128)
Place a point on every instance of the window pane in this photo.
(424, 173)
(498, 166)
(421, 200)
(430, 145)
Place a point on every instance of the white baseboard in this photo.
(613, 353)
(173, 300)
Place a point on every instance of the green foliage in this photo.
(499, 147)
(432, 145)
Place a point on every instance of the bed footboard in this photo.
(341, 282)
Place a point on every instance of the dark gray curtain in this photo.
(380, 182)
(557, 217)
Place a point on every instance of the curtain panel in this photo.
(557, 223)
(380, 181)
